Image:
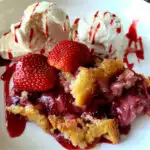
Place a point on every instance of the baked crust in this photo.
(80, 131)
(83, 87)
(32, 114)
(85, 83)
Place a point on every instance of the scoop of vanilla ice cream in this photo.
(42, 26)
(102, 32)
(9, 49)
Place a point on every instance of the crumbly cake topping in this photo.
(32, 114)
(84, 85)
(80, 131)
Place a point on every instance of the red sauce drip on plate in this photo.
(125, 130)
(15, 123)
(132, 33)
(140, 54)
(133, 38)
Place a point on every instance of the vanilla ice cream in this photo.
(102, 32)
(42, 26)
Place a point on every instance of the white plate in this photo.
(33, 137)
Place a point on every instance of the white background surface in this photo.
(33, 137)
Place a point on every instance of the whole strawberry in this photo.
(69, 55)
(33, 73)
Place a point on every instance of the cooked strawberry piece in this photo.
(34, 74)
(59, 103)
(69, 55)
(134, 98)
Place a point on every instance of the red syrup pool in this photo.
(16, 123)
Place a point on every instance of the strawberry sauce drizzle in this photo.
(31, 35)
(133, 38)
(65, 27)
(118, 30)
(47, 30)
(6, 33)
(112, 21)
(77, 21)
(10, 56)
(94, 35)
(15, 28)
(15, 123)
(90, 33)
(105, 13)
(110, 49)
(36, 5)
(76, 32)
(96, 15)
(42, 51)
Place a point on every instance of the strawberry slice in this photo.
(69, 55)
(33, 73)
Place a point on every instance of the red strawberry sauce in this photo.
(15, 123)
(133, 39)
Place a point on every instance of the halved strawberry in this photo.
(69, 55)
(33, 73)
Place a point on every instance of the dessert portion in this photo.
(101, 31)
(68, 80)
(78, 101)
(42, 26)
